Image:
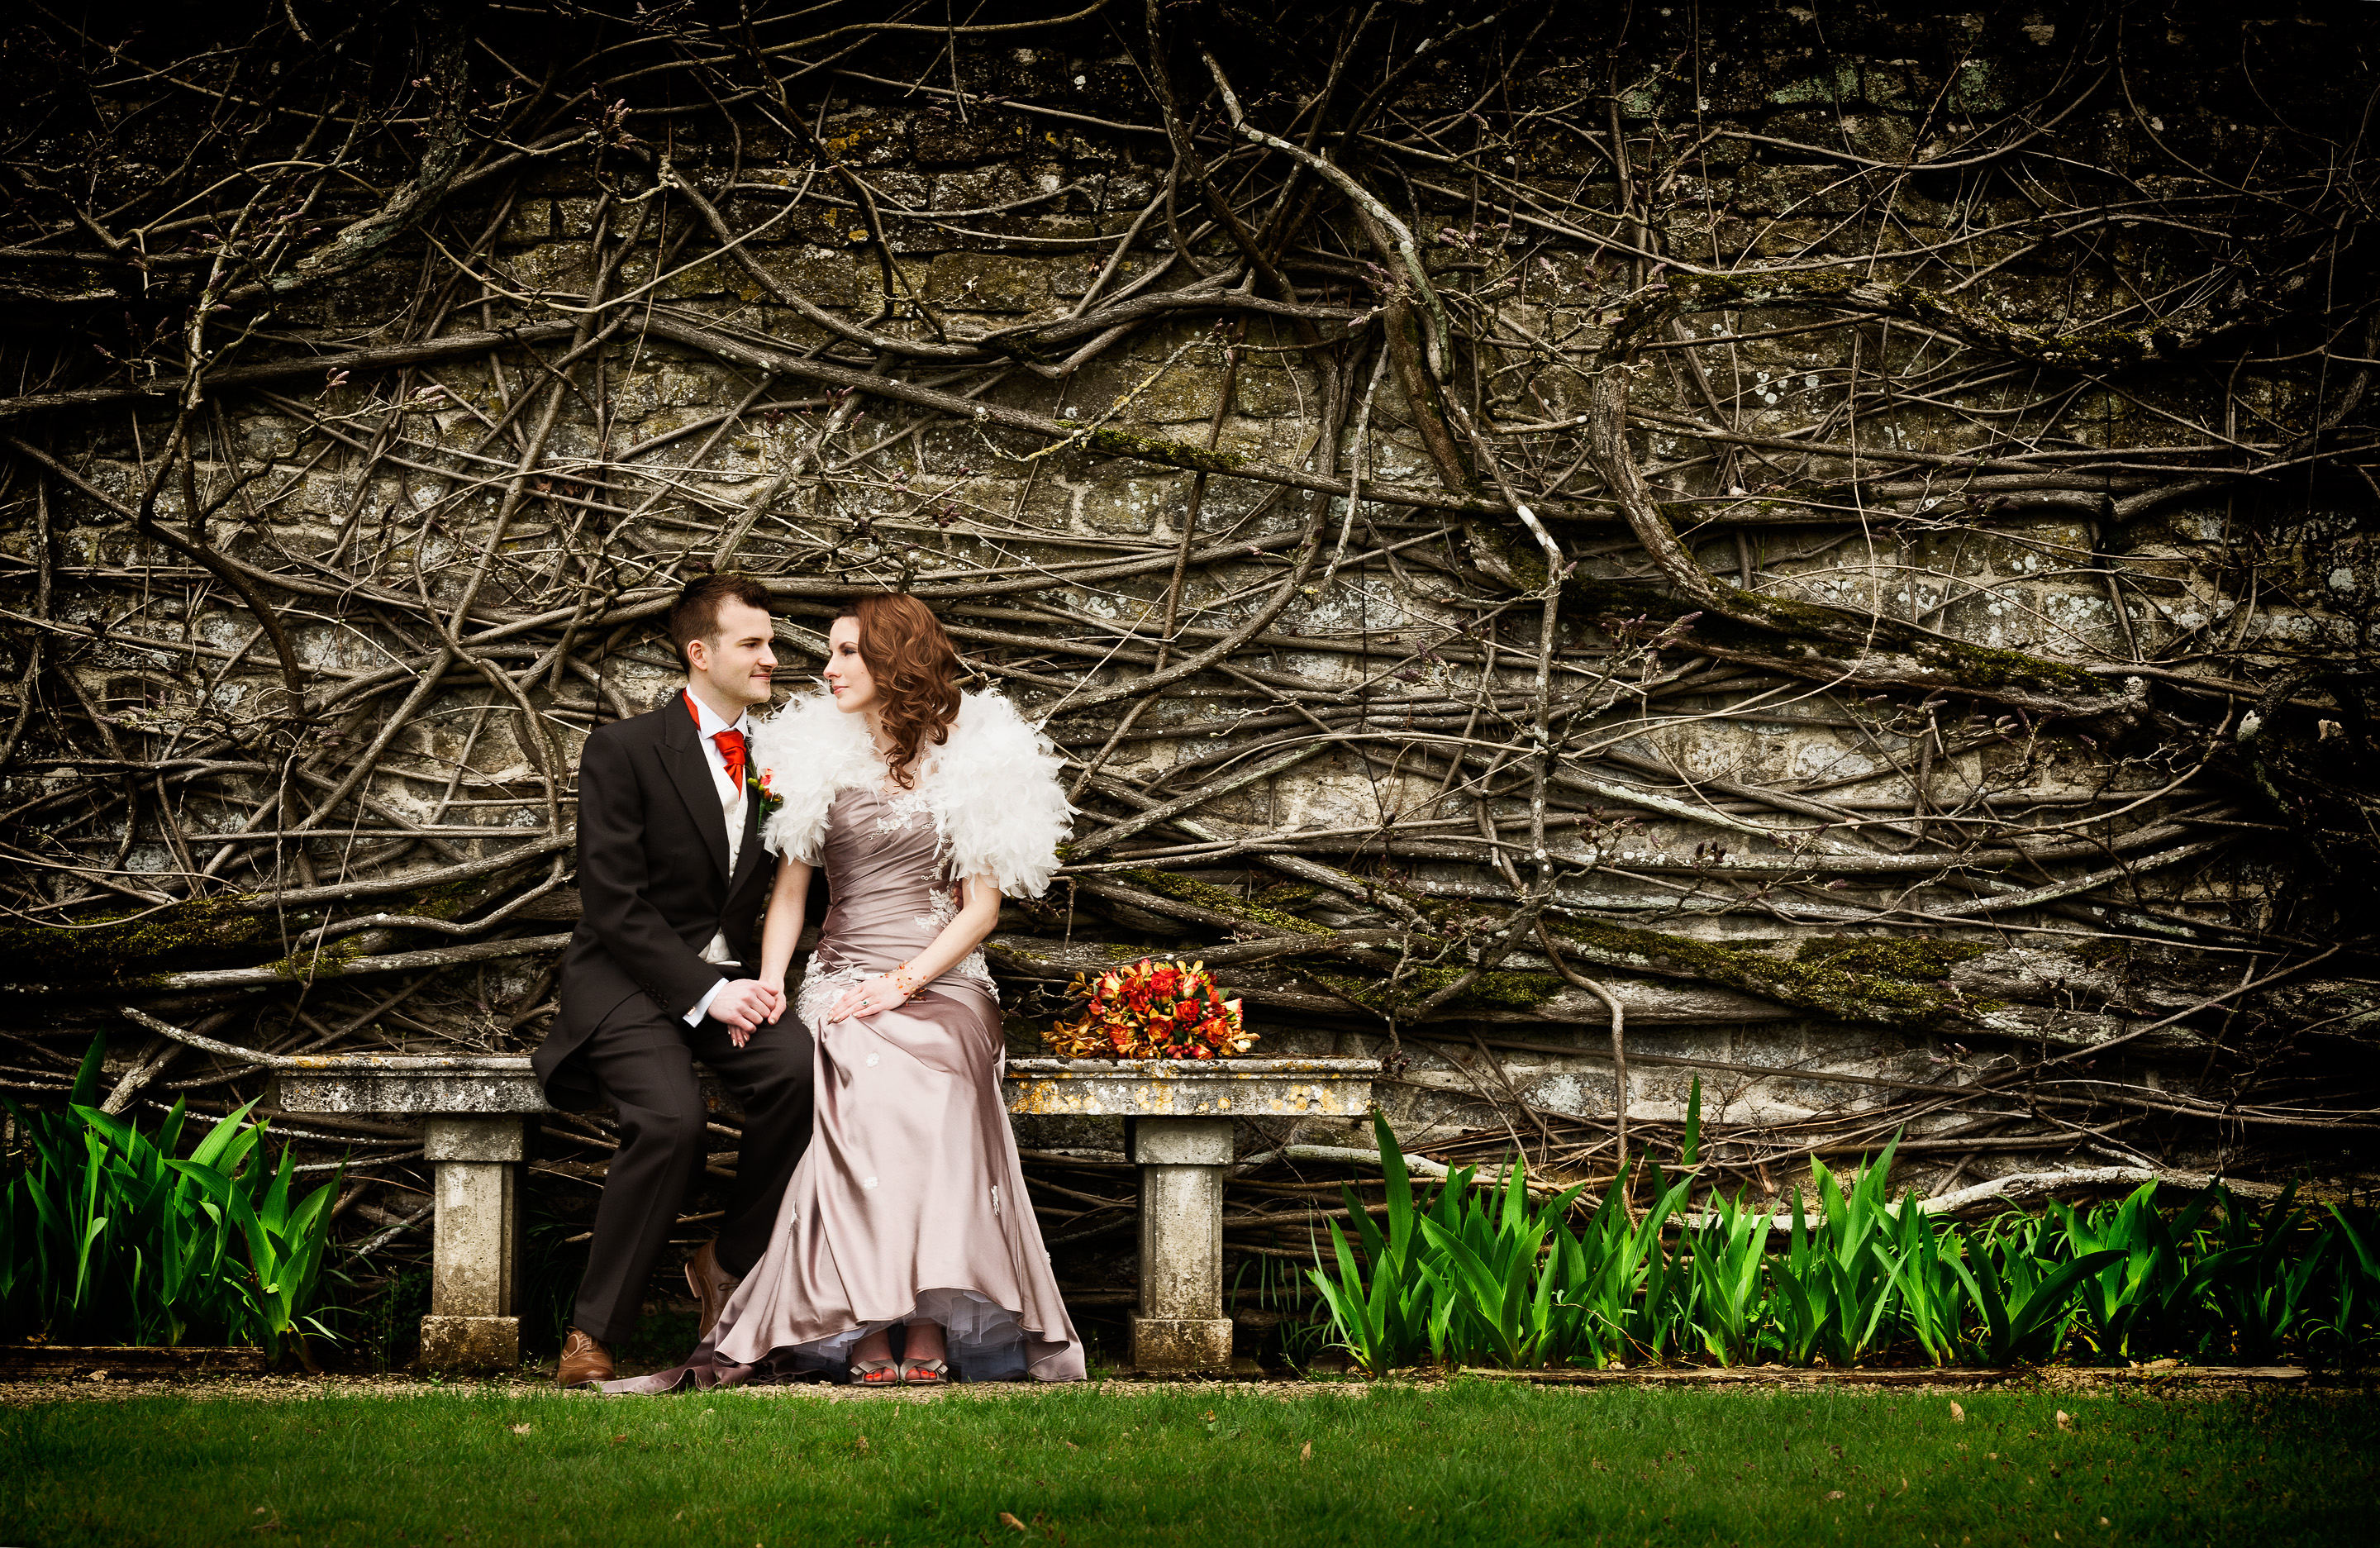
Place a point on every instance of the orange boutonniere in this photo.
(757, 782)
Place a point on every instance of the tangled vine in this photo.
(1822, 554)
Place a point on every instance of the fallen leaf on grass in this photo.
(1958, 1414)
(1834, 1494)
(520, 1429)
(1008, 1520)
(860, 1445)
(2065, 1420)
(1305, 1452)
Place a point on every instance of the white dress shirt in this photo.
(731, 801)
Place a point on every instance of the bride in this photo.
(909, 1208)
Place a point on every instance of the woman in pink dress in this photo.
(925, 805)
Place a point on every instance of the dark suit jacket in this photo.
(653, 884)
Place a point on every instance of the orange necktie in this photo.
(731, 748)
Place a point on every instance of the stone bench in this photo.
(1180, 1113)
(474, 1136)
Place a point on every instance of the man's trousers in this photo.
(643, 1060)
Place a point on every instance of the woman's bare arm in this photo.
(978, 912)
(782, 930)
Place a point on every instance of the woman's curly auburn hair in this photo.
(917, 672)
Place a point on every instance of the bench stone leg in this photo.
(1181, 1325)
(476, 1247)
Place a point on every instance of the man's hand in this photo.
(744, 1004)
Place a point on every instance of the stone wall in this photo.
(1951, 431)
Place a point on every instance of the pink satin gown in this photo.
(910, 1203)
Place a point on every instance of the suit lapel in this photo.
(690, 772)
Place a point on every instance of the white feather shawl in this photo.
(992, 787)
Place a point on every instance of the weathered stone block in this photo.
(987, 282)
(956, 191)
(867, 137)
(1072, 276)
(1181, 1343)
(1132, 506)
(820, 277)
(463, 1084)
(575, 218)
(667, 388)
(455, 1137)
(1181, 1240)
(903, 190)
(531, 221)
(1793, 239)
(550, 264)
(1189, 1088)
(1184, 392)
(1027, 72)
(1182, 1142)
(947, 142)
(470, 1342)
(475, 1248)
(1268, 394)
(711, 277)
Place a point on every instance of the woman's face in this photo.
(847, 676)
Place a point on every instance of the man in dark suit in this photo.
(671, 878)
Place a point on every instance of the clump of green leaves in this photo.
(1470, 1274)
(1459, 1278)
(110, 1235)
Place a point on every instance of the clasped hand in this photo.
(744, 1004)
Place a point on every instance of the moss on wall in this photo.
(1867, 984)
(202, 933)
(1205, 894)
(1497, 991)
(1912, 958)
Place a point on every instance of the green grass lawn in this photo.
(1467, 1462)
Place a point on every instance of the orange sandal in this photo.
(875, 1373)
(925, 1373)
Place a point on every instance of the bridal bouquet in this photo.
(1152, 1010)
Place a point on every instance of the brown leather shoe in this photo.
(711, 1286)
(584, 1362)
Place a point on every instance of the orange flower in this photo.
(1151, 1009)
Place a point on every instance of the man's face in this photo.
(736, 661)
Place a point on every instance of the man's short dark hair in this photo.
(696, 613)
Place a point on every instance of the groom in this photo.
(658, 974)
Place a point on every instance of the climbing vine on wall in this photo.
(1823, 551)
